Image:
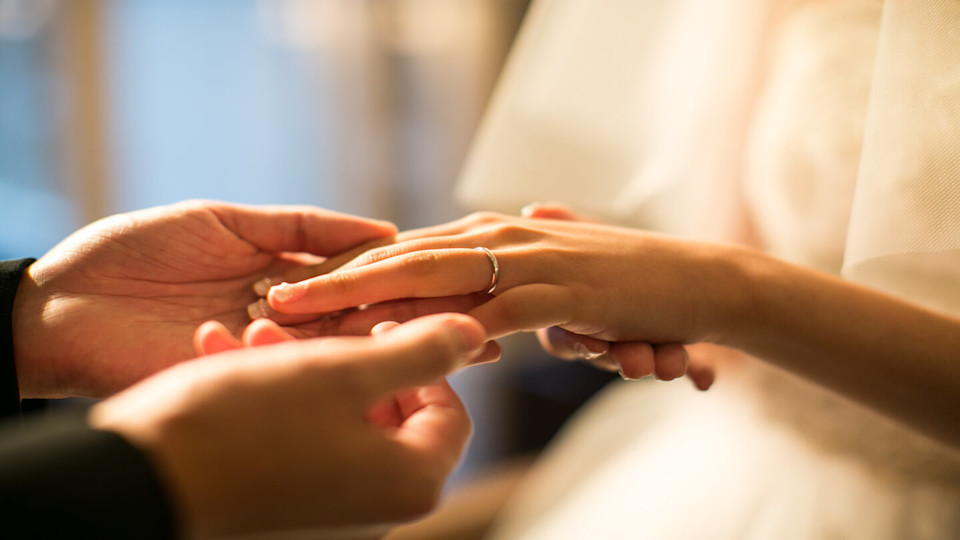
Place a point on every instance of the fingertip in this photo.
(387, 227)
(547, 210)
(259, 309)
(422, 350)
(558, 342)
(212, 337)
(262, 286)
(530, 210)
(703, 378)
(264, 332)
(199, 334)
(703, 382)
(469, 331)
(636, 359)
(671, 361)
(383, 327)
(465, 333)
(285, 293)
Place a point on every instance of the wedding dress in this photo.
(834, 129)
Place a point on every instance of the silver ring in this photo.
(495, 280)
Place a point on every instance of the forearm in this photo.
(893, 356)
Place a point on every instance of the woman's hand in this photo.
(619, 285)
(303, 434)
(633, 359)
(120, 299)
(606, 283)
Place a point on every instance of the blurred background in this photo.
(362, 106)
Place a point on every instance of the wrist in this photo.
(735, 291)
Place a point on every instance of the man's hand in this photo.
(120, 299)
(331, 432)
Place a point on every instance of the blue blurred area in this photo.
(201, 105)
(198, 103)
(33, 216)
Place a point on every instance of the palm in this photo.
(128, 293)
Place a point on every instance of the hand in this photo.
(632, 359)
(212, 338)
(281, 436)
(606, 283)
(120, 299)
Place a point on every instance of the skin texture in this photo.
(328, 432)
(633, 359)
(621, 285)
(120, 299)
(585, 278)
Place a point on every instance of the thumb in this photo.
(299, 228)
(420, 351)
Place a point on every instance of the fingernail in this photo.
(258, 309)
(479, 357)
(472, 338)
(586, 353)
(262, 287)
(287, 292)
(529, 209)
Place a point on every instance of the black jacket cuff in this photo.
(10, 272)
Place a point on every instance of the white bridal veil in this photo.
(643, 111)
(834, 125)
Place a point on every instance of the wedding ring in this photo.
(495, 280)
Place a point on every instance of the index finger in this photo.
(419, 274)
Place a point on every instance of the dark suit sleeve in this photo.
(61, 479)
(9, 280)
(58, 477)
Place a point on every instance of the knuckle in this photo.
(341, 282)
(195, 204)
(513, 233)
(422, 262)
(380, 254)
(483, 217)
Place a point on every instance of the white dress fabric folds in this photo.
(830, 132)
